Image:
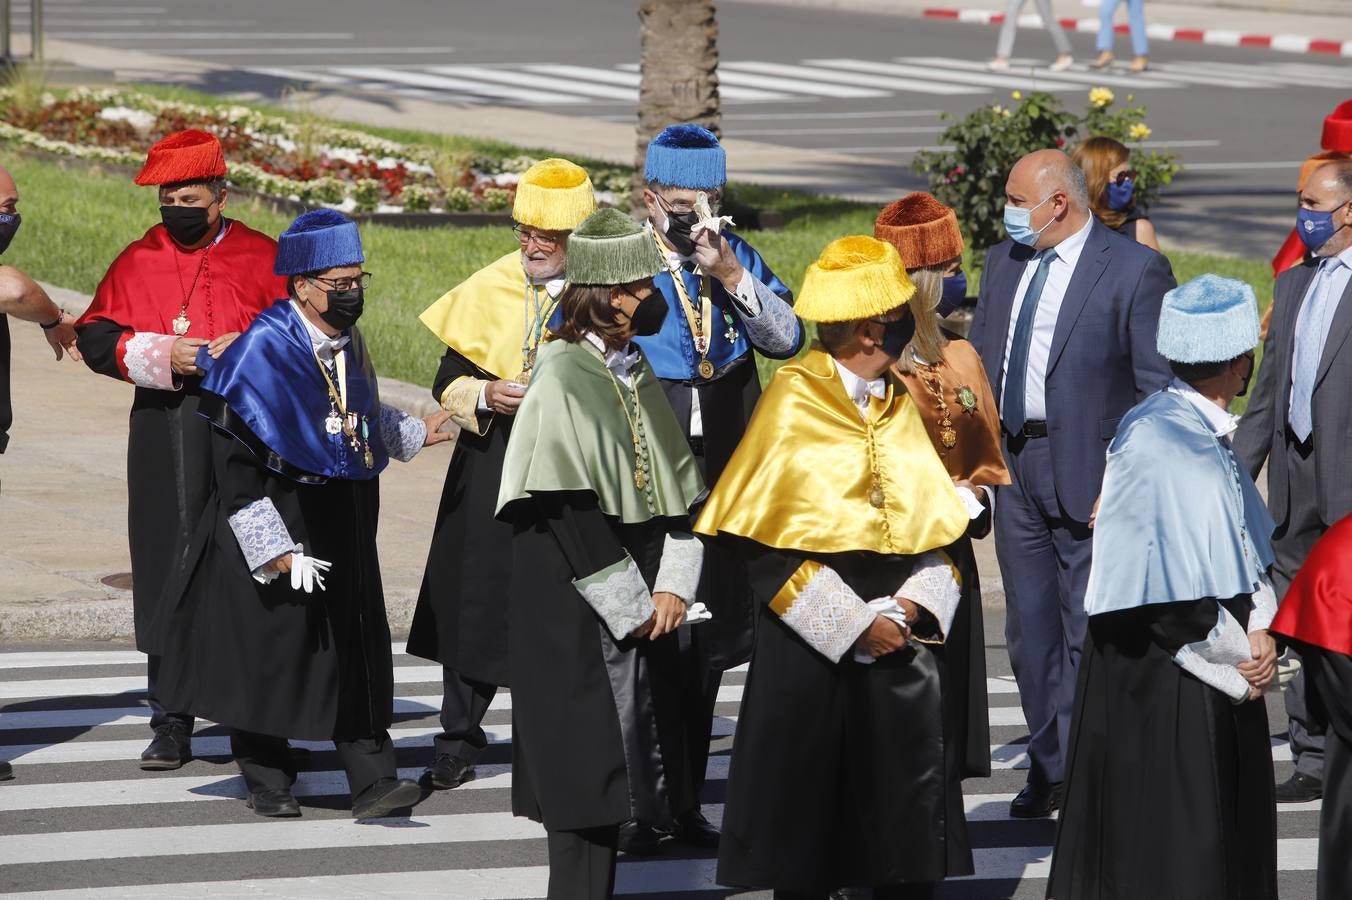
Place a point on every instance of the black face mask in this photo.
(896, 335)
(186, 224)
(1248, 378)
(651, 313)
(344, 308)
(678, 233)
(9, 226)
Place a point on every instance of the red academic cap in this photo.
(1338, 128)
(190, 155)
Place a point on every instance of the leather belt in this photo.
(696, 444)
(1033, 428)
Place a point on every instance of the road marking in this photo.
(819, 73)
(898, 129)
(617, 76)
(739, 116)
(1040, 71)
(1007, 82)
(1229, 166)
(534, 81)
(144, 37)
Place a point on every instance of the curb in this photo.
(1289, 43)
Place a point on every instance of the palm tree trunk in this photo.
(679, 66)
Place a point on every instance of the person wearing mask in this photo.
(1299, 421)
(493, 325)
(195, 280)
(1111, 183)
(1168, 788)
(1065, 325)
(1140, 41)
(840, 774)
(274, 623)
(597, 483)
(725, 305)
(945, 378)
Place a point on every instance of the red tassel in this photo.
(190, 155)
(1291, 254)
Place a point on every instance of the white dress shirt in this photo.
(1044, 323)
(1220, 421)
(861, 390)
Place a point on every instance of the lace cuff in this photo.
(822, 610)
(770, 323)
(261, 534)
(146, 357)
(461, 399)
(404, 435)
(682, 562)
(619, 595)
(1264, 606)
(1213, 659)
(936, 587)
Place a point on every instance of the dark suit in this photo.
(1309, 485)
(1101, 363)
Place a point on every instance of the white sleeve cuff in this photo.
(935, 587)
(483, 406)
(682, 562)
(619, 595)
(748, 304)
(261, 533)
(147, 358)
(1264, 606)
(404, 435)
(828, 615)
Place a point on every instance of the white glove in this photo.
(707, 219)
(306, 572)
(697, 612)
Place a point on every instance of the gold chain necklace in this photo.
(339, 419)
(695, 317)
(948, 435)
(182, 324)
(534, 326)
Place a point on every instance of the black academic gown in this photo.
(966, 701)
(1328, 676)
(585, 753)
(461, 617)
(266, 658)
(1169, 785)
(840, 776)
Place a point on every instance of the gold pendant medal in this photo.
(181, 325)
(876, 498)
(948, 436)
(369, 459)
(523, 378)
(706, 369)
(640, 478)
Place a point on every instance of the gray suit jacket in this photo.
(1262, 431)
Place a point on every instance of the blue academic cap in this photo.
(1208, 319)
(686, 156)
(319, 239)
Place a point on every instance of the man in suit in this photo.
(1065, 324)
(1299, 420)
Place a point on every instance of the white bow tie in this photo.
(621, 361)
(876, 387)
(332, 345)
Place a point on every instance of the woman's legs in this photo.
(1140, 43)
(1005, 45)
(1044, 9)
(1107, 9)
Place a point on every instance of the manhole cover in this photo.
(119, 580)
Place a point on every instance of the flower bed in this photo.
(305, 160)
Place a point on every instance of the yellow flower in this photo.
(1005, 113)
(1139, 132)
(1100, 96)
(997, 109)
(1017, 95)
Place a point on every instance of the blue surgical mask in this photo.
(1119, 195)
(955, 292)
(1018, 223)
(1316, 228)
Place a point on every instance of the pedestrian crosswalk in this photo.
(81, 820)
(756, 82)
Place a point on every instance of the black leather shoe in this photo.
(1299, 788)
(300, 757)
(171, 748)
(6, 771)
(639, 839)
(384, 797)
(694, 830)
(275, 804)
(1036, 801)
(447, 772)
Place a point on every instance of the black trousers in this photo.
(464, 702)
(582, 863)
(266, 762)
(919, 891)
(158, 714)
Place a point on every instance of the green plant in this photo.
(26, 84)
(366, 194)
(459, 200)
(986, 143)
(322, 190)
(417, 198)
(496, 199)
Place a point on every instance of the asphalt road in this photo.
(875, 87)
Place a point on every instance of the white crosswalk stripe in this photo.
(80, 815)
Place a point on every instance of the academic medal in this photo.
(706, 369)
(333, 424)
(181, 325)
(966, 399)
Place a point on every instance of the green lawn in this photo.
(76, 221)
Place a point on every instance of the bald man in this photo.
(1065, 325)
(1299, 421)
(23, 298)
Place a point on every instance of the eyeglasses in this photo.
(685, 207)
(345, 284)
(543, 239)
(1120, 177)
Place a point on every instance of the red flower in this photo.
(1060, 141)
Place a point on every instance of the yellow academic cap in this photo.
(553, 194)
(855, 277)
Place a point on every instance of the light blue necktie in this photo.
(1312, 330)
(1016, 368)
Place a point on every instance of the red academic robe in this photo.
(127, 333)
(1317, 614)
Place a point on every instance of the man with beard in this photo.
(493, 325)
(168, 307)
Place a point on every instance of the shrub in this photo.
(366, 194)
